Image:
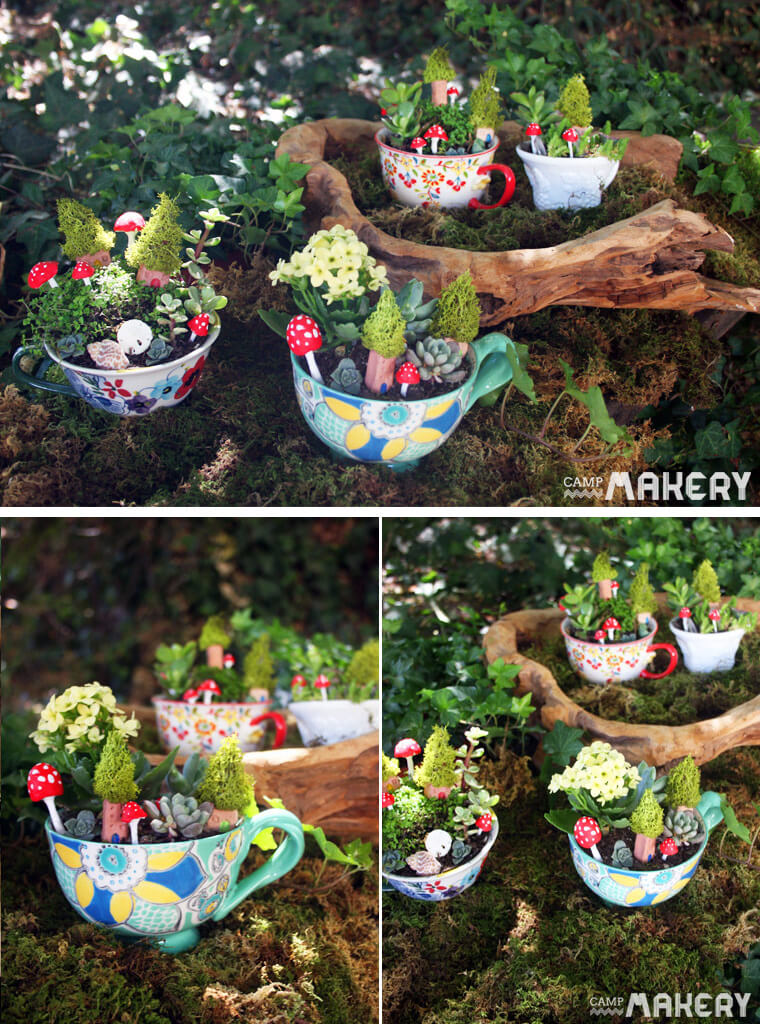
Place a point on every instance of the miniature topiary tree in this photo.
(643, 603)
(646, 822)
(156, 250)
(383, 335)
(575, 103)
(86, 238)
(258, 669)
(363, 672)
(705, 582)
(437, 74)
(213, 639)
(485, 106)
(114, 782)
(437, 774)
(391, 773)
(603, 574)
(682, 790)
(226, 785)
(457, 316)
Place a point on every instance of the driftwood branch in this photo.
(656, 744)
(648, 261)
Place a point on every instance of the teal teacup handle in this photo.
(38, 380)
(494, 369)
(709, 808)
(284, 858)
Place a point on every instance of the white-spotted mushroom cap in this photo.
(108, 355)
(668, 847)
(587, 832)
(43, 781)
(685, 613)
(423, 863)
(484, 822)
(82, 271)
(611, 623)
(303, 335)
(436, 131)
(438, 842)
(129, 221)
(533, 129)
(132, 811)
(407, 748)
(210, 686)
(408, 373)
(199, 324)
(134, 336)
(570, 135)
(713, 615)
(42, 272)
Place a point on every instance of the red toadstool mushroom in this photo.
(82, 272)
(322, 683)
(130, 223)
(600, 636)
(42, 272)
(417, 145)
(668, 847)
(611, 624)
(387, 800)
(44, 783)
(436, 134)
(228, 661)
(199, 326)
(209, 688)
(191, 695)
(570, 135)
(409, 749)
(615, 587)
(587, 834)
(407, 374)
(533, 131)
(687, 624)
(304, 338)
(131, 813)
(484, 822)
(297, 680)
(714, 617)
(452, 92)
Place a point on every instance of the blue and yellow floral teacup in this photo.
(132, 392)
(162, 892)
(627, 887)
(398, 433)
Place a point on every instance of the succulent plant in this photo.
(622, 855)
(178, 815)
(418, 314)
(83, 826)
(190, 778)
(460, 850)
(437, 360)
(158, 352)
(346, 377)
(70, 345)
(392, 860)
(683, 826)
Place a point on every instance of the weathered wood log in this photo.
(647, 261)
(335, 787)
(658, 745)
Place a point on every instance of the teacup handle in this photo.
(38, 379)
(509, 187)
(284, 858)
(280, 726)
(673, 661)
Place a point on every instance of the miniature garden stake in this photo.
(438, 72)
(408, 748)
(387, 799)
(130, 223)
(437, 774)
(226, 785)
(82, 271)
(646, 822)
(687, 623)
(436, 133)
(322, 683)
(213, 639)
(114, 782)
(603, 574)
(131, 814)
(304, 339)
(44, 783)
(43, 273)
(668, 847)
(210, 689)
(587, 834)
(383, 335)
(85, 237)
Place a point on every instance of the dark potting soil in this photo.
(476, 842)
(606, 845)
(181, 346)
(145, 834)
(328, 359)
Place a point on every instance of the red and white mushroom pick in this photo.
(417, 144)
(484, 822)
(407, 374)
(436, 134)
(452, 92)
(668, 847)
(82, 272)
(600, 636)
(409, 749)
(134, 336)
(387, 800)
(570, 135)
(304, 338)
(611, 624)
(614, 587)
(714, 617)
(533, 131)
(199, 326)
(131, 813)
(41, 273)
(190, 695)
(322, 683)
(587, 834)
(228, 661)
(130, 223)
(44, 783)
(686, 621)
(209, 688)
(297, 680)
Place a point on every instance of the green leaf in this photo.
(517, 355)
(593, 399)
(732, 822)
(733, 183)
(149, 785)
(275, 320)
(723, 148)
(562, 743)
(742, 203)
(564, 819)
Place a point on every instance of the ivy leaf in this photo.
(708, 180)
(742, 203)
(733, 183)
(732, 822)
(593, 399)
(723, 148)
(517, 355)
(563, 743)
(717, 441)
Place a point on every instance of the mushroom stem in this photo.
(570, 147)
(207, 696)
(313, 369)
(595, 852)
(133, 832)
(324, 694)
(433, 146)
(55, 817)
(410, 768)
(52, 283)
(404, 389)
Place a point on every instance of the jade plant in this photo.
(114, 792)
(598, 612)
(698, 605)
(436, 814)
(146, 307)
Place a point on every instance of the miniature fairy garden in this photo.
(436, 816)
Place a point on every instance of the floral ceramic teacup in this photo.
(399, 433)
(201, 728)
(447, 884)
(132, 392)
(162, 892)
(627, 887)
(616, 663)
(430, 179)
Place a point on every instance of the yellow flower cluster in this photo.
(336, 259)
(603, 772)
(80, 718)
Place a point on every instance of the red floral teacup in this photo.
(201, 728)
(604, 663)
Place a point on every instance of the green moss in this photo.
(114, 778)
(458, 312)
(646, 820)
(439, 760)
(158, 245)
(364, 668)
(227, 785)
(258, 668)
(438, 66)
(215, 633)
(390, 767)
(383, 330)
(485, 102)
(683, 784)
(642, 595)
(83, 232)
(602, 568)
(705, 582)
(575, 103)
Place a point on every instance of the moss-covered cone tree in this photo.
(86, 238)
(258, 669)
(437, 74)
(705, 582)
(646, 822)
(485, 105)
(643, 603)
(383, 335)
(603, 574)
(114, 782)
(458, 313)
(437, 773)
(213, 639)
(226, 785)
(575, 103)
(682, 790)
(156, 250)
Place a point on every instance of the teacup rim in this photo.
(613, 643)
(150, 847)
(436, 156)
(216, 704)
